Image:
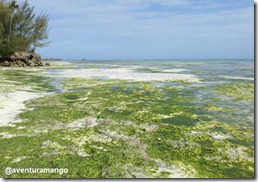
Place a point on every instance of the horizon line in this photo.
(159, 59)
(135, 59)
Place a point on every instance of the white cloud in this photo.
(117, 22)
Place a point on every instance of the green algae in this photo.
(33, 78)
(199, 150)
(140, 129)
(239, 91)
(212, 107)
(148, 70)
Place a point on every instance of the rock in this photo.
(5, 63)
(31, 63)
(36, 56)
(16, 63)
(27, 62)
(21, 56)
(12, 57)
(38, 63)
(21, 63)
(22, 59)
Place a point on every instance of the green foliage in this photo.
(6, 50)
(20, 28)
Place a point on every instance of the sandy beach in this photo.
(131, 74)
(11, 104)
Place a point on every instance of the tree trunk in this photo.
(10, 29)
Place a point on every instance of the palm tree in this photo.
(12, 6)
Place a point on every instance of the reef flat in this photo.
(156, 119)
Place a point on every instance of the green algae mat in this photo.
(99, 127)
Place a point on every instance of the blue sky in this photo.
(149, 29)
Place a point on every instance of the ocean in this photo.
(204, 74)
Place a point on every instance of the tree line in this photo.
(21, 29)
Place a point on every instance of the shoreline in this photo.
(12, 104)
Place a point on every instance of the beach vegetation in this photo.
(21, 28)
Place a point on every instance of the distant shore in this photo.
(52, 59)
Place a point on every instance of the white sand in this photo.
(12, 103)
(88, 122)
(173, 70)
(238, 78)
(127, 74)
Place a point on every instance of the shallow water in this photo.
(199, 73)
(206, 69)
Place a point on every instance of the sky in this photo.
(148, 29)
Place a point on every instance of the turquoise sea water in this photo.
(204, 68)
